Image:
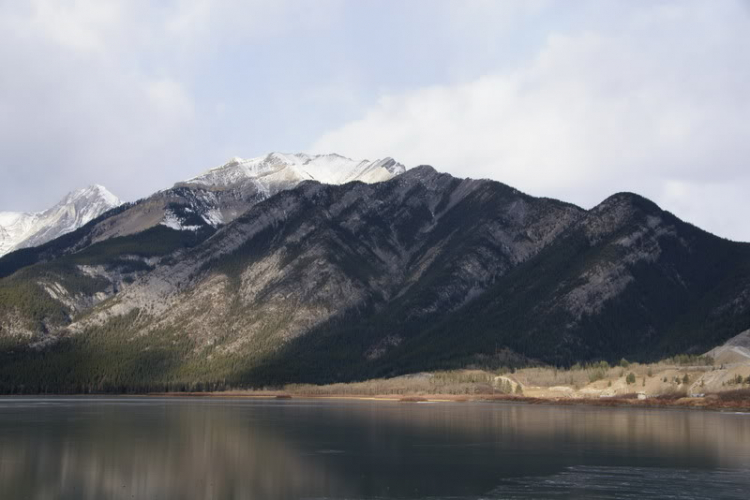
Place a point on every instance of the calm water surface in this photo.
(146, 448)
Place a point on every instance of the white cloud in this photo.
(75, 110)
(170, 99)
(104, 90)
(248, 18)
(81, 25)
(660, 101)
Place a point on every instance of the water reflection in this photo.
(202, 449)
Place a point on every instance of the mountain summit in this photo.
(275, 169)
(22, 230)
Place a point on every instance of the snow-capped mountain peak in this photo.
(241, 183)
(275, 168)
(95, 193)
(223, 193)
(21, 230)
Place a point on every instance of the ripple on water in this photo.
(622, 483)
(590, 482)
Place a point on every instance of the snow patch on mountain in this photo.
(21, 230)
(213, 217)
(172, 221)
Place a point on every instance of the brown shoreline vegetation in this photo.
(687, 383)
(694, 382)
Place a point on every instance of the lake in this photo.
(185, 448)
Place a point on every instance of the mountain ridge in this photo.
(275, 167)
(202, 207)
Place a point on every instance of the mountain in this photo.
(322, 283)
(200, 205)
(22, 230)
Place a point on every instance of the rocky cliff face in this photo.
(331, 282)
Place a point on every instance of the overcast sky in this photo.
(573, 100)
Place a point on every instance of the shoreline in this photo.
(705, 403)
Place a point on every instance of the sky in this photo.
(570, 100)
